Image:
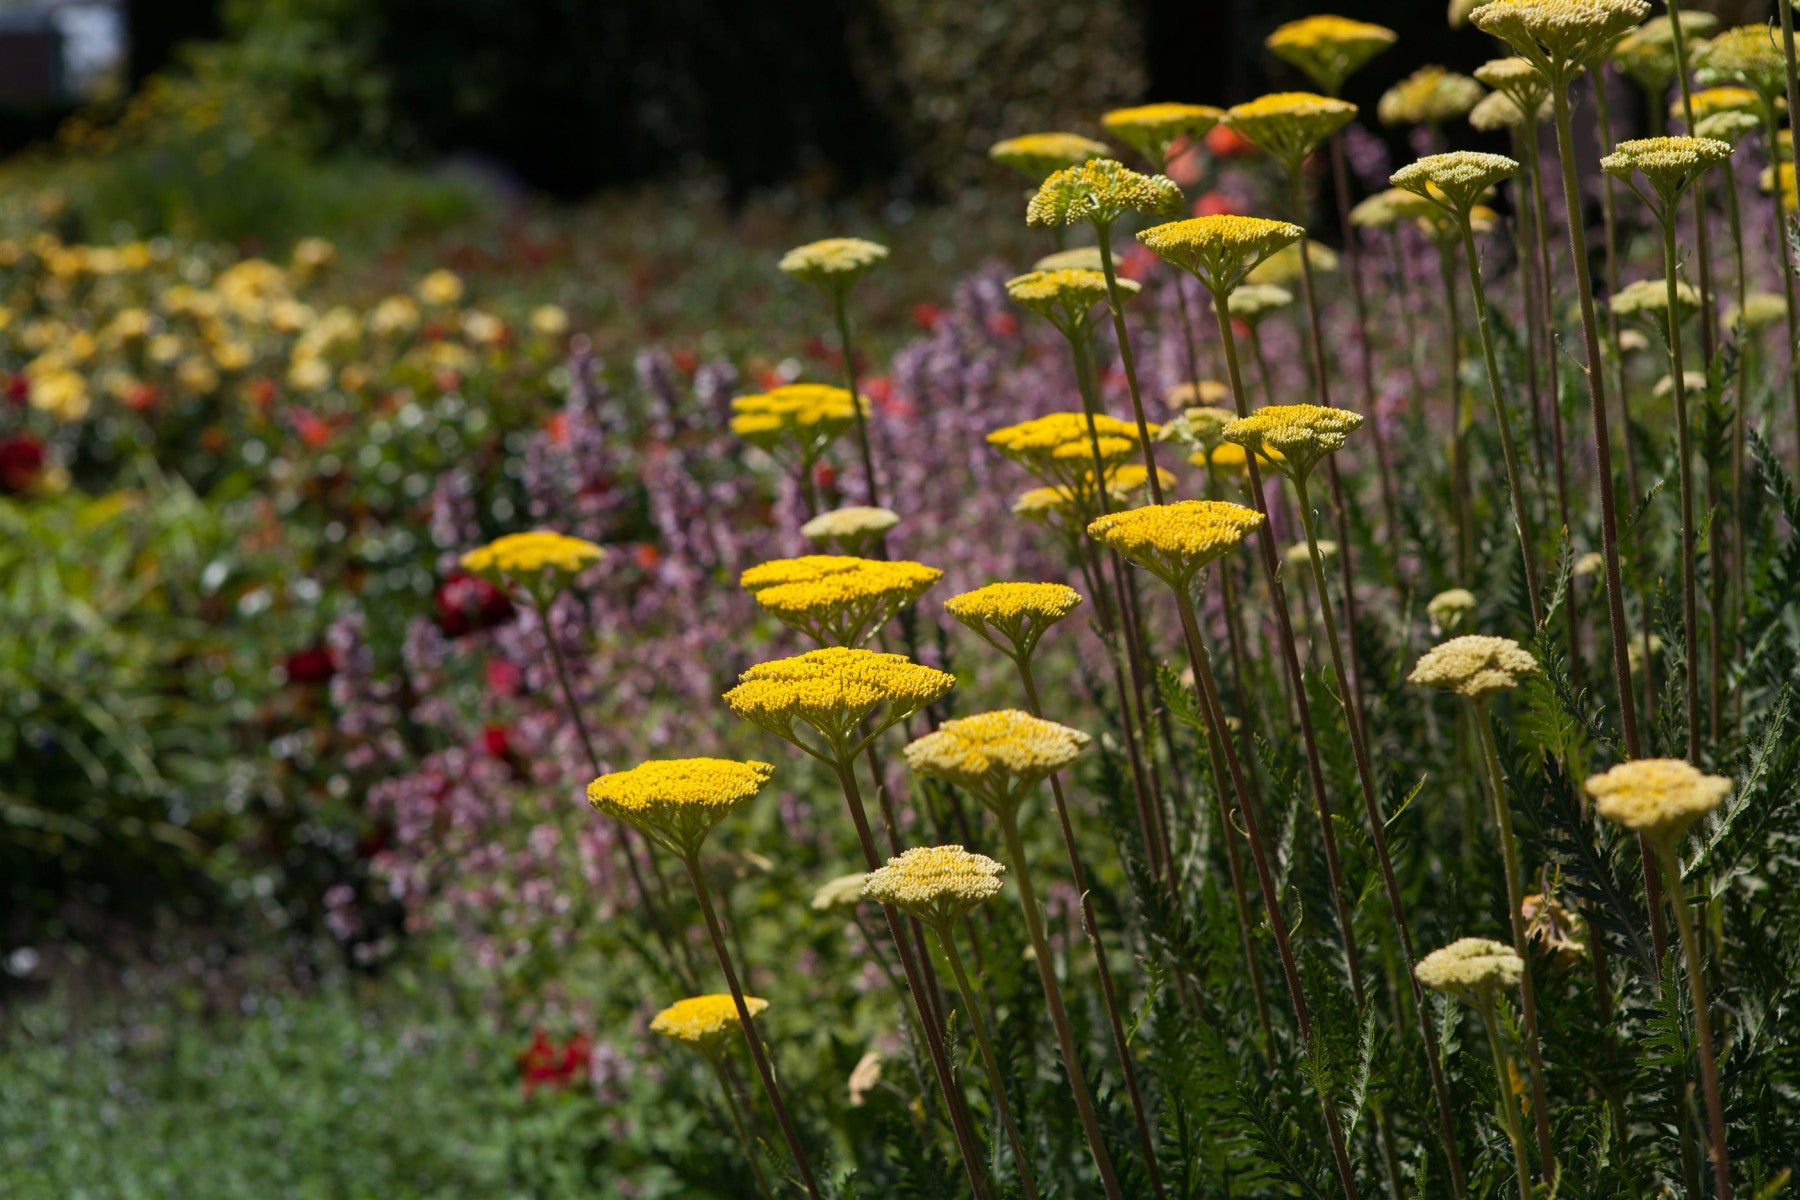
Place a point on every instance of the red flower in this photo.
(504, 677)
(646, 556)
(825, 476)
(18, 388)
(263, 391)
(495, 740)
(684, 360)
(927, 315)
(21, 462)
(1003, 324)
(310, 666)
(544, 1064)
(1226, 142)
(139, 397)
(1136, 263)
(466, 603)
(1215, 204)
(311, 427)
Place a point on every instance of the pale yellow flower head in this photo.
(1459, 11)
(851, 529)
(1288, 126)
(1037, 156)
(1013, 617)
(1725, 98)
(842, 891)
(1431, 95)
(1649, 298)
(1761, 309)
(833, 691)
(1660, 798)
(1251, 302)
(1472, 969)
(1647, 53)
(1222, 250)
(1448, 610)
(1692, 381)
(1098, 192)
(440, 288)
(832, 264)
(1081, 258)
(1519, 81)
(676, 802)
(936, 884)
(1730, 126)
(1457, 180)
(1065, 298)
(1154, 129)
(1474, 665)
(1284, 266)
(1560, 36)
(1328, 49)
(1176, 541)
(799, 419)
(1302, 434)
(1200, 427)
(706, 1023)
(1189, 395)
(1669, 163)
(837, 599)
(1747, 55)
(1380, 211)
(1498, 111)
(997, 757)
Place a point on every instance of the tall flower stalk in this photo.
(831, 266)
(705, 1024)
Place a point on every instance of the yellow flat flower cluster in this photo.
(1647, 53)
(1065, 296)
(1220, 250)
(1012, 617)
(1518, 80)
(1153, 129)
(1650, 298)
(936, 884)
(1098, 192)
(1176, 541)
(1458, 179)
(1301, 434)
(1329, 49)
(1288, 126)
(1559, 34)
(1431, 95)
(837, 599)
(997, 755)
(1059, 449)
(1746, 55)
(832, 262)
(1037, 156)
(1471, 968)
(833, 691)
(1725, 98)
(1474, 665)
(850, 528)
(1731, 126)
(520, 554)
(676, 802)
(800, 416)
(707, 1023)
(1657, 797)
(1449, 609)
(1199, 427)
(1669, 163)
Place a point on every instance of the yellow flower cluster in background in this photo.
(706, 1023)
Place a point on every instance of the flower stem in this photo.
(841, 310)
(1786, 9)
(1459, 449)
(1709, 1068)
(1690, 616)
(1116, 303)
(1509, 1107)
(743, 1133)
(757, 1053)
(970, 1002)
(1609, 226)
(1515, 897)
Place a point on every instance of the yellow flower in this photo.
(1746, 55)
(520, 554)
(1283, 267)
(707, 1023)
(1220, 251)
(1013, 617)
(801, 418)
(1448, 610)
(395, 314)
(1474, 665)
(1518, 80)
(1081, 258)
(1647, 53)
(837, 599)
(1669, 163)
(1037, 156)
(1288, 126)
(196, 376)
(1457, 180)
(851, 529)
(549, 320)
(1431, 95)
(309, 374)
(1052, 447)
(1721, 99)
(832, 264)
(60, 392)
(1302, 434)
(998, 757)
(312, 254)
(936, 884)
(1099, 191)
(842, 891)
(440, 288)
(1730, 127)
(676, 802)
(1498, 111)
(1760, 309)
(1380, 210)
(1650, 298)
(1471, 968)
(1198, 427)
(1066, 297)
(1251, 302)
(1154, 129)
(1657, 797)
(1560, 37)
(1235, 460)
(1183, 396)
(1329, 49)
(834, 691)
(1176, 541)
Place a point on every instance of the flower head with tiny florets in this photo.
(1199, 427)
(1730, 126)
(1251, 302)
(1283, 267)
(1154, 129)
(1065, 298)
(840, 891)
(1431, 95)
(1647, 53)
(1474, 665)
(707, 1023)
(851, 529)
(1288, 126)
(1176, 541)
(996, 756)
(798, 419)
(1660, 798)
(936, 884)
(1328, 49)
(833, 692)
(837, 599)
(1519, 81)
(1380, 211)
(1081, 258)
(833, 264)
(1098, 192)
(1013, 617)
(1058, 447)
(1560, 37)
(1499, 111)
(676, 802)
(1746, 55)
(1669, 163)
(1649, 298)
(1473, 969)
(1037, 156)
(1220, 251)
(1303, 434)
(1449, 609)
(1457, 180)
(1724, 98)
(540, 562)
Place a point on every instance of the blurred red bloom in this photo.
(311, 666)
(1003, 324)
(646, 556)
(139, 397)
(466, 603)
(496, 741)
(685, 360)
(927, 315)
(825, 476)
(1215, 204)
(312, 428)
(1225, 142)
(504, 677)
(21, 461)
(263, 391)
(1136, 263)
(545, 1064)
(1187, 165)
(18, 388)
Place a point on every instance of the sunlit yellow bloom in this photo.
(1721, 99)
(1431, 95)
(997, 757)
(1474, 665)
(802, 418)
(1064, 298)
(1760, 309)
(851, 529)
(1448, 610)
(1559, 36)
(440, 288)
(936, 884)
(1748, 55)
(1300, 434)
(1669, 163)
(1660, 798)
(1288, 126)
(1457, 180)
(1730, 126)
(1647, 53)
(483, 329)
(249, 287)
(1176, 541)
(395, 314)
(847, 696)
(1037, 156)
(832, 264)
(837, 599)
(1379, 211)
(1081, 258)
(1051, 447)
(677, 802)
(1190, 395)
(1472, 969)
(1650, 298)
(1220, 251)
(60, 392)
(1251, 302)
(549, 320)
(307, 374)
(1234, 460)
(843, 891)
(1283, 267)
(707, 1023)
(196, 375)
(1498, 111)
(1098, 192)
(1519, 81)
(1329, 49)
(1013, 617)
(1154, 129)
(1198, 427)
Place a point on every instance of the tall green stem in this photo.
(1702, 237)
(1609, 229)
(1509, 1108)
(979, 1025)
(1461, 501)
(841, 310)
(1690, 614)
(1709, 1068)
(1741, 393)
(743, 1133)
(1115, 303)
